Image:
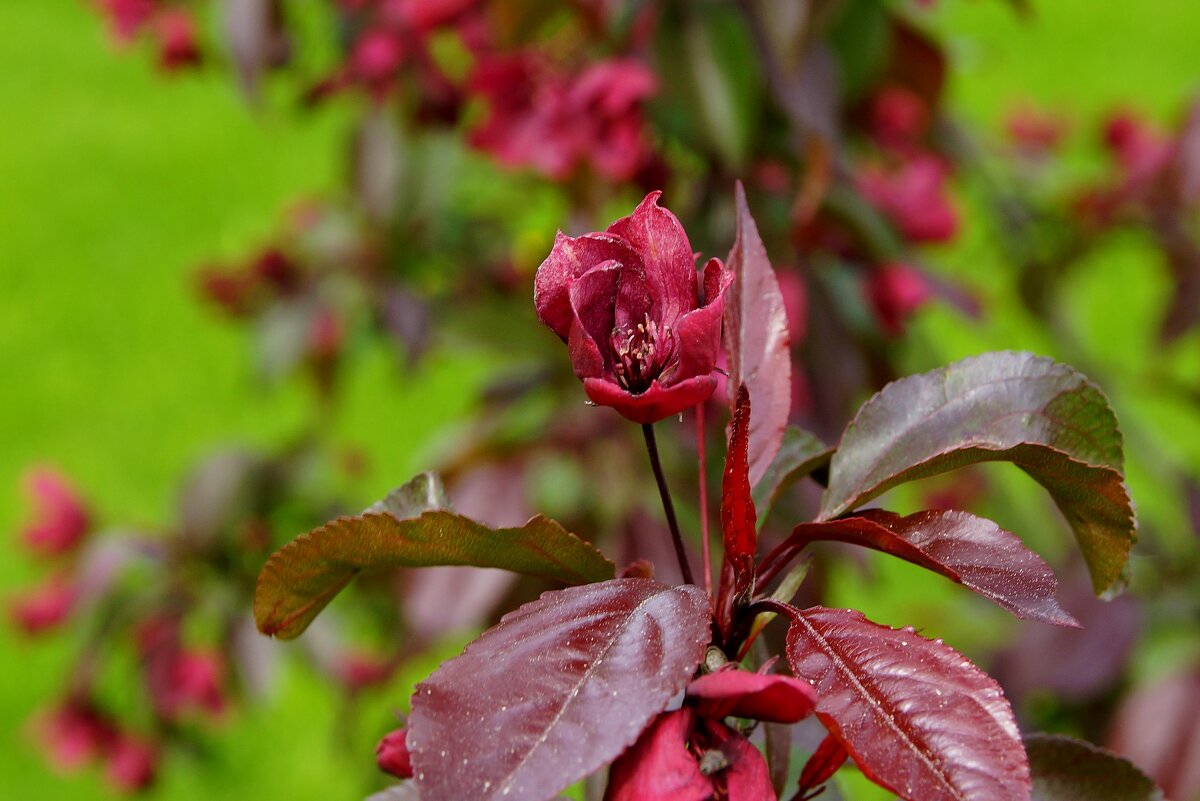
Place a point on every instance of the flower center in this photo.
(640, 353)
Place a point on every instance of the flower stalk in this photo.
(668, 507)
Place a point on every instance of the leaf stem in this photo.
(668, 507)
(703, 472)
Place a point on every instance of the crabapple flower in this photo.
(642, 329)
(914, 198)
(770, 697)
(60, 518)
(690, 754)
(895, 291)
(74, 733)
(44, 607)
(392, 755)
(131, 764)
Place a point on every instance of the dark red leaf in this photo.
(917, 717)
(737, 507)
(825, 761)
(659, 766)
(970, 550)
(409, 528)
(1066, 769)
(756, 340)
(773, 698)
(1042, 416)
(556, 690)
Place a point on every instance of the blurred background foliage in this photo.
(119, 180)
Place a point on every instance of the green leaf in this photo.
(800, 455)
(1042, 416)
(1066, 769)
(409, 529)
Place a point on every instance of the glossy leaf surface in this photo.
(916, 716)
(1042, 416)
(740, 535)
(301, 578)
(970, 550)
(756, 340)
(1066, 769)
(558, 689)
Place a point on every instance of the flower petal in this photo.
(593, 298)
(655, 403)
(657, 236)
(773, 698)
(747, 778)
(659, 766)
(392, 754)
(698, 332)
(570, 258)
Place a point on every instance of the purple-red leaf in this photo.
(756, 340)
(1066, 769)
(917, 717)
(409, 529)
(1042, 416)
(737, 507)
(970, 550)
(556, 690)
(825, 761)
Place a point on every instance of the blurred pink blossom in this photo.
(895, 291)
(914, 197)
(131, 763)
(60, 519)
(44, 607)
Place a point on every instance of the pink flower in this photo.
(1035, 132)
(606, 101)
(895, 291)
(426, 15)
(691, 755)
(392, 755)
(359, 671)
(682, 757)
(179, 680)
(73, 734)
(126, 18)
(914, 198)
(628, 304)
(525, 125)
(60, 519)
(175, 32)
(132, 764)
(1139, 148)
(898, 117)
(376, 59)
(44, 607)
(542, 118)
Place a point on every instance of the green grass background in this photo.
(116, 181)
